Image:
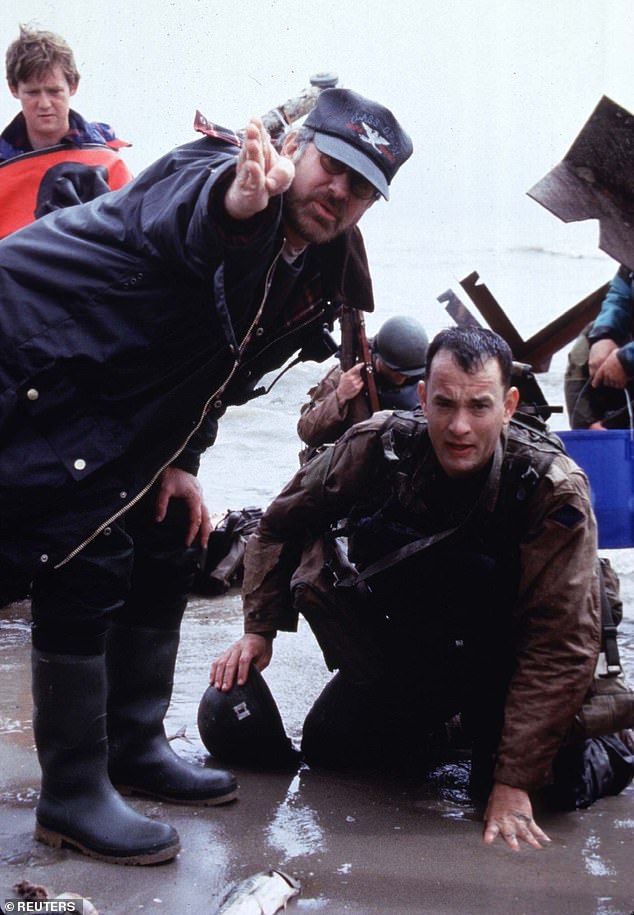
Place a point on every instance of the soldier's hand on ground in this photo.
(261, 173)
(175, 483)
(233, 664)
(599, 352)
(611, 373)
(350, 384)
(509, 814)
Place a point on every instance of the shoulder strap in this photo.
(609, 645)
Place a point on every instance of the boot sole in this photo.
(130, 791)
(57, 840)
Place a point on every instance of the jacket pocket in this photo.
(60, 409)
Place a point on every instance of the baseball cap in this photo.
(362, 134)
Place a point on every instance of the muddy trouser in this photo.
(136, 571)
(586, 405)
(442, 649)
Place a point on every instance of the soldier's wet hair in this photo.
(35, 53)
(472, 348)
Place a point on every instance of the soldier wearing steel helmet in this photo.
(398, 354)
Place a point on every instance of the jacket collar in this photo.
(14, 140)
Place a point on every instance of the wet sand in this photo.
(358, 845)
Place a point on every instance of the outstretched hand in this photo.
(261, 173)
(509, 814)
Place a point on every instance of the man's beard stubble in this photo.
(306, 221)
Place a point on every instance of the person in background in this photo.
(398, 359)
(599, 380)
(50, 156)
(476, 588)
(129, 324)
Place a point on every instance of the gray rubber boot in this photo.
(78, 805)
(141, 665)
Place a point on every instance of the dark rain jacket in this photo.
(537, 516)
(123, 323)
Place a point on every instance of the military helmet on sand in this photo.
(243, 726)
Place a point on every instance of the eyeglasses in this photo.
(360, 186)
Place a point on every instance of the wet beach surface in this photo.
(361, 845)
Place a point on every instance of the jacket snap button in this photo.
(44, 557)
(259, 332)
(123, 494)
(79, 464)
(217, 404)
(32, 394)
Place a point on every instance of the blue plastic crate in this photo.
(608, 460)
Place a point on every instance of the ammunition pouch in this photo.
(608, 708)
(344, 620)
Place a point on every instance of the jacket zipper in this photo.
(267, 286)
